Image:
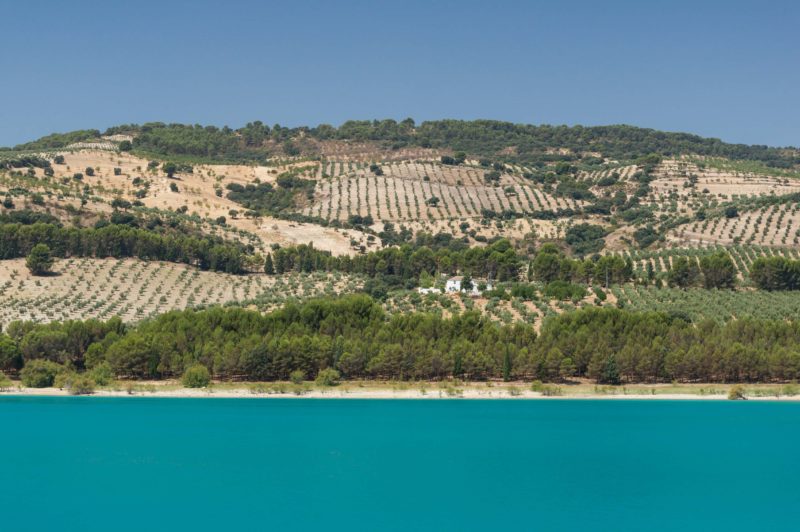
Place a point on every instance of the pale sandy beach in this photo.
(360, 390)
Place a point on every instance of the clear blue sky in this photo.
(728, 69)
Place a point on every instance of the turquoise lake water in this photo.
(286, 464)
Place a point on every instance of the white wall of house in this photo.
(453, 285)
(428, 290)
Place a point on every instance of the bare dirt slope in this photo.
(197, 191)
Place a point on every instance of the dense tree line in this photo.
(621, 142)
(60, 140)
(551, 265)
(207, 253)
(490, 137)
(713, 271)
(775, 273)
(356, 337)
(27, 217)
(25, 161)
(609, 344)
(403, 265)
(192, 140)
(483, 138)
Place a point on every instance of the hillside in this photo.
(537, 223)
(338, 187)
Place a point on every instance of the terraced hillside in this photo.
(465, 250)
(648, 198)
(85, 288)
(337, 187)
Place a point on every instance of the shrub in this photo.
(10, 356)
(598, 292)
(564, 290)
(646, 236)
(737, 393)
(63, 379)
(89, 171)
(39, 260)
(169, 168)
(297, 376)
(549, 390)
(196, 376)
(102, 374)
(5, 382)
(81, 384)
(40, 373)
(327, 377)
(585, 238)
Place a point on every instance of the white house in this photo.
(454, 285)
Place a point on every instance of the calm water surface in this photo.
(284, 464)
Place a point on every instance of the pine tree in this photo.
(269, 267)
(507, 365)
(610, 372)
(39, 260)
(457, 366)
(280, 263)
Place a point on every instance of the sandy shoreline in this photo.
(655, 392)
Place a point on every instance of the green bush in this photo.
(75, 383)
(297, 376)
(10, 356)
(585, 238)
(598, 292)
(196, 376)
(737, 393)
(5, 382)
(549, 390)
(327, 377)
(40, 373)
(81, 384)
(39, 260)
(564, 291)
(63, 379)
(102, 374)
